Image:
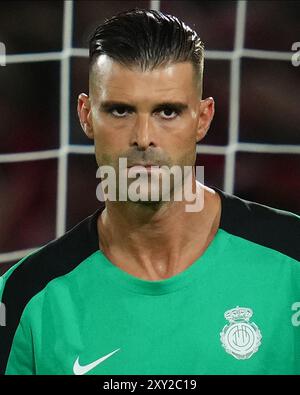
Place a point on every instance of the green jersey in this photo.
(235, 310)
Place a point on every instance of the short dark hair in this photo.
(147, 39)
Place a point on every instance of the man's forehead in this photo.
(113, 77)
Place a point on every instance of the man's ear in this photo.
(207, 110)
(84, 115)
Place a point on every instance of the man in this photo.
(145, 286)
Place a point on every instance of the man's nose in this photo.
(142, 133)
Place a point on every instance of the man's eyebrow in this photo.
(106, 105)
(173, 104)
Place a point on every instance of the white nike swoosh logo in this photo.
(79, 370)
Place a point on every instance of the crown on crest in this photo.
(238, 314)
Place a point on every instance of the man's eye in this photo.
(168, 113)
(119, 112)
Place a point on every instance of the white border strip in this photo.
(155, 5)
(15, 255)
(81, 149)
(234, 101)
(249, 147)
(62, 178)
(201, 149)
(28, 156)
(209, 54)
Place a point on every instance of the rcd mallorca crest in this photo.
(240, 338)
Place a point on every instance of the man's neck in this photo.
(154, 243)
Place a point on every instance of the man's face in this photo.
(150, 117)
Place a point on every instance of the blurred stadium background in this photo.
(47, 168)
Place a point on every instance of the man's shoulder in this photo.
(24, 281)
(57, 258)
(262, 224)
